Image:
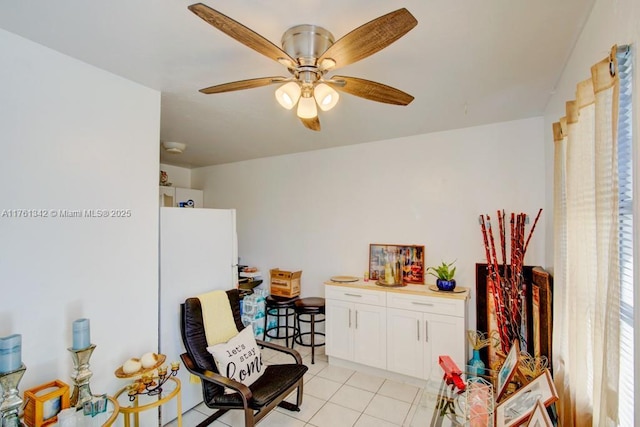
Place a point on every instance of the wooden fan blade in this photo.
(370, 90)
(313, 124)
(242, 84)
(241, 33)
(370, 38)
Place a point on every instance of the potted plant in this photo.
(444, 274)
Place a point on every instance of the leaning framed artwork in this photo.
(540, 416)
(408, 260)
(542, 314)
(508, 369)
(517, 408)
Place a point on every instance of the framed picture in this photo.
(507, 370)
(517, 408)
(542, 289)
(409, 259)
(540, 416)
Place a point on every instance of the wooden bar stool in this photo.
(280, 307)
(309, 308)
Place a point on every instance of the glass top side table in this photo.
(104, 419)
(143, 402)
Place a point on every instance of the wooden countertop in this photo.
(409, 289)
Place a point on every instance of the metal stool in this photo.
(309, 307)
(280, 307)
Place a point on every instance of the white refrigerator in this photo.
(198, 254)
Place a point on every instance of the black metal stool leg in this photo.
(278, 325)
(296, 330)
(286, 320)
(266, 317)
(313, 339)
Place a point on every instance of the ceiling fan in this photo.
(309, 52)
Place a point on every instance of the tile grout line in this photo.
(375, 393)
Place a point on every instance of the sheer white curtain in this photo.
(587, 284)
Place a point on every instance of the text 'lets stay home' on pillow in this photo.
(239, 358)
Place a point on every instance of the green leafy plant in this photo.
(444, 271)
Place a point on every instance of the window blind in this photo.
(625, 180)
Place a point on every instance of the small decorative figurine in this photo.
(164, 179)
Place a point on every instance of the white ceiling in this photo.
(467, 63)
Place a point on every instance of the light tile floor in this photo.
(333, 397)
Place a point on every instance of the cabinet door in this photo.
(444, 335)
(369, 335)
(339, 335)
(405, 342)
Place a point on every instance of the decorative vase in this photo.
(446, 285)
(475, 364)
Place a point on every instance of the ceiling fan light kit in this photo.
(288, 95)
(307, 108)
(174, 147)
(309, 52)
(325, 96)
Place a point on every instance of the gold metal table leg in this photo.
(136, 414)
(179, 403)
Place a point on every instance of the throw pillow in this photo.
(239, 358)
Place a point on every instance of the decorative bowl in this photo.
(446, 285)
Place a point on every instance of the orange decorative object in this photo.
(452, 374)
(43, 403)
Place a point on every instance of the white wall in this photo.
(76, 137)
(178, 177)
(319, 211)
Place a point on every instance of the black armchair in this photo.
(256, 400)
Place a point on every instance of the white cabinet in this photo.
(405, 339)
(402, 331)
(356, 325)
(420, 329)
(339, 332)
(369, 335)
(173, 196)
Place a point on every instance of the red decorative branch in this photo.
(508, 288)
